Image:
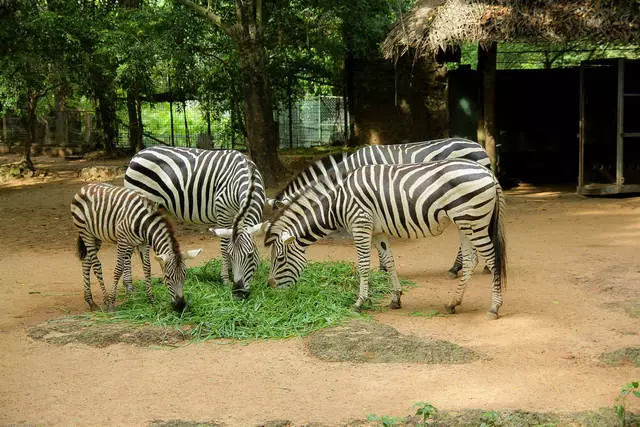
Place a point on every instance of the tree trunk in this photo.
(187, 137)
(106, 116)
(489, 92)
(32, 123)
(262, 141)
(61, 135)
(134, 126)
(349, 71)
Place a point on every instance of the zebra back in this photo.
(416, 152)
(109, 213)
(198, 186)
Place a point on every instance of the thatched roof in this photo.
(434, 24)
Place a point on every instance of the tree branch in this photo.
(207, 14)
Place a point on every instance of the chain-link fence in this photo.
(313, 121)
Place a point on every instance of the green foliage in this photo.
(425, 411)
(386, 420)
(323, 296)
(631, 388)
(489, 419)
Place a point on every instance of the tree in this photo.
(247, 33)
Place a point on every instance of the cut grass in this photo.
(323, 296)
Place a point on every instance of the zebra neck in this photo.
(158, 236)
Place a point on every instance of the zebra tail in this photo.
(496, 230)
(82, 248)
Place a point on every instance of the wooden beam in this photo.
(620, 126)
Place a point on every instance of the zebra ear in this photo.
(191, 254)
(276, 204)
(162, 259)
(287, 238)
(258, 228)
(222, 232)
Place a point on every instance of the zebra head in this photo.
(243, 255)
(287, 259)
(174, 271)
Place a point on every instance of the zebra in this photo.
(107, 213)
(416, 152)
(404, 201)
(222, 188)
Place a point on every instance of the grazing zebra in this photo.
(417, 152)
(404, 201)
(106, 213)
(217, 187)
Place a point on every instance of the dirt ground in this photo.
(573, 294)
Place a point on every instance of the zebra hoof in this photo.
(492, 315)
(395, 305)
(451, 309)
(93, 306)
(111, 308)
(383, 268)
(486, 270)
(357, 309)
(452, 274)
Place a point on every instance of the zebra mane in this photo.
(159, 210)
(242, 214)
(306, 177)
(326, 184)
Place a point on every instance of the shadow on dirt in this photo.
(372, 342)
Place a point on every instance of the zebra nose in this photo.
(179, 305)
(272, 282)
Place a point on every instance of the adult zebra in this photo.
(398, 154)
(404, 201)
(106, 213)
(217, 187)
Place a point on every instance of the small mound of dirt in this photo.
(372, 342)
(101, 173)
(182, 423)
(623, 357)
(67, 331)
(631, 307)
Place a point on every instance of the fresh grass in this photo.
(323, 296)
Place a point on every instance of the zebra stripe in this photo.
(404, 201)
(214, 187)
(397, 154)
(106, 213)
(416, 152)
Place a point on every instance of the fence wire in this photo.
(312, 121)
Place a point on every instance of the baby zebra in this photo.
(104, 212)
(404, 201)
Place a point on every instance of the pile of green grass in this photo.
(323, 296)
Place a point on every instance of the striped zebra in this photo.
(106, 213)
(417, 152)
(215, 187)
(404, 201)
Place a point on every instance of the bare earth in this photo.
(574, 283)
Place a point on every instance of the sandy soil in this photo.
(574, 267)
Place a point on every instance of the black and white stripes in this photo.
(217, 187)
(106, 213)
(404, 201)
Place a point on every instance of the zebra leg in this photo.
(97, 270)
(362, 239)
(457, 265)
(226, 264)
(143, 250)
(386, 260)
(87, 262)
(469, 262)
(127, 277)
(496, 292)
(123, 252)
(381, 259)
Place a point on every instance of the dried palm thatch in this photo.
(436, 24)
